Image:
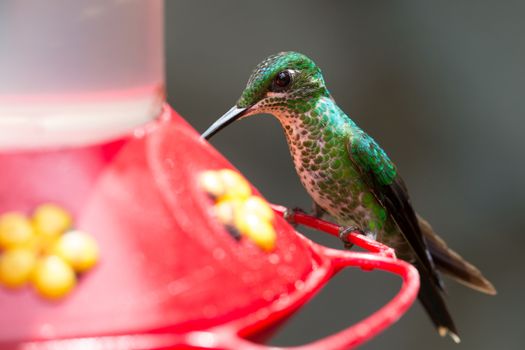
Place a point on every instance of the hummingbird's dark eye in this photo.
(282, 80)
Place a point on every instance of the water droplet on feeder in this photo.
(274, 259)
(299, 285)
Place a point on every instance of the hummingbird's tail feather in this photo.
(452, 264)
(432, 300)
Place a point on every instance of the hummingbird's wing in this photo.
(389, 188)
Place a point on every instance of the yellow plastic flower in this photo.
(237, 209)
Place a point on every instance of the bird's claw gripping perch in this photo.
(344, 235)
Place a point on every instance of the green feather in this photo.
(367, 153)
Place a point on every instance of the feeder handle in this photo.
(353, 335)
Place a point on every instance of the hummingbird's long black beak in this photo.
(229, 117)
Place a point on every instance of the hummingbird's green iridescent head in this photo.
(285, 82)
(287, 75)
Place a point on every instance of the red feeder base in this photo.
(170, 275)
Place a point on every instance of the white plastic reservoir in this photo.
(78, 72)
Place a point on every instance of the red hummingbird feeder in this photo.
(170, 274)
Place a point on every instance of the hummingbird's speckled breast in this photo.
(318, 140)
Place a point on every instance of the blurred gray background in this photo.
(440, 85)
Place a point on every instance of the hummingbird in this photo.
(349, 176)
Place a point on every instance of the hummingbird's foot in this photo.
(371, 235)
(344, 232)
(317, 211)
(289, 215)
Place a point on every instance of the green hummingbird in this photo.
(349, 176)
